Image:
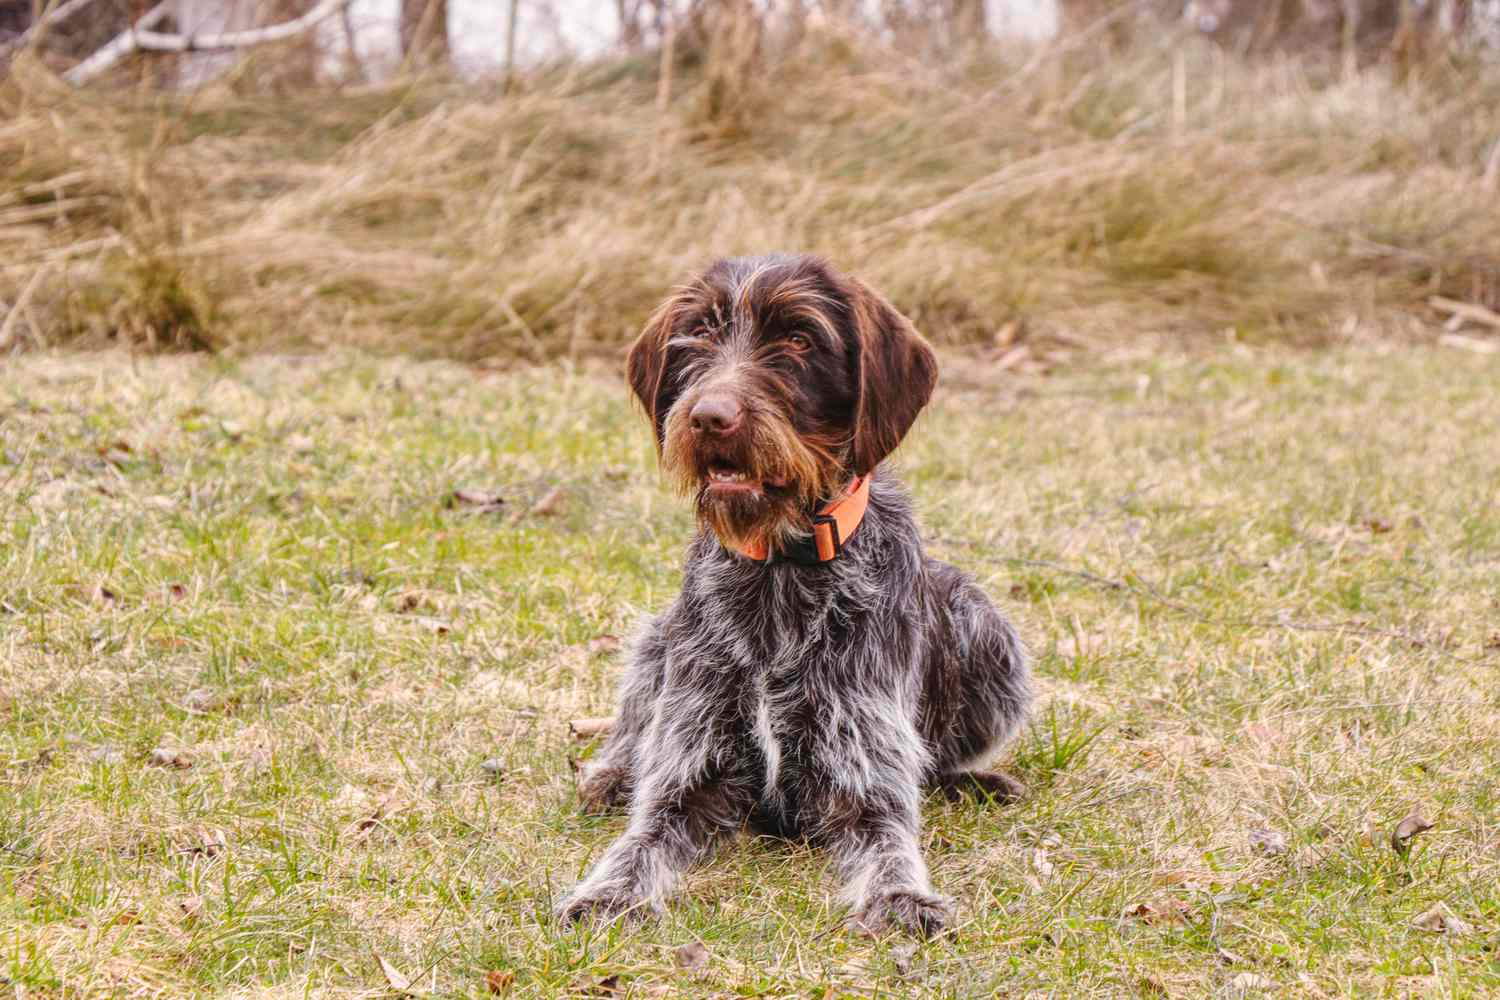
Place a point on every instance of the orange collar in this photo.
(833, 526)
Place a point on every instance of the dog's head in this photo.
(771, 382)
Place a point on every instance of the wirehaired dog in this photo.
(818, 671)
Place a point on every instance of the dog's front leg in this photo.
(877, 848)
(681, 806)
(870, 818)
(607, 781)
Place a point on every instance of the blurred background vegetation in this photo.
(1032, 181)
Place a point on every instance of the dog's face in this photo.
(771, 382)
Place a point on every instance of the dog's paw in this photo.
(602, 789)
(917, 913)
(995, 785)
(599, 907)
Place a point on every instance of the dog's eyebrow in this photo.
(802, 298)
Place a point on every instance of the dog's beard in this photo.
(760, 486)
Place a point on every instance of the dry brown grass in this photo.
(1069, 198)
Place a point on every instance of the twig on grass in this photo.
(584, 729)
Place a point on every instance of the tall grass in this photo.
(1162, 192)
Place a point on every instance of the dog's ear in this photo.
(897, 373)
(646, 367)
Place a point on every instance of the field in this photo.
(1049, 203)
(280, 715)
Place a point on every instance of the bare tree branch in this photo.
(139, 39)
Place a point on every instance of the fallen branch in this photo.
(140, 39)
(587, 729)
(1470, 311)
(121, 46)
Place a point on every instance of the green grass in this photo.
(1263, 591)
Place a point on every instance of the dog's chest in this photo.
(784, 713)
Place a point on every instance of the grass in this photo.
(1063, 201)
(269, 707)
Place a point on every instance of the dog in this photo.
(818, 672)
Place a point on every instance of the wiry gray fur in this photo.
(816, 701)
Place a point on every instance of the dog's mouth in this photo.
(725, 478)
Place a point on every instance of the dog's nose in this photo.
(716, 414)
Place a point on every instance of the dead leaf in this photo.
(205, 841)
(165, 757)
(1408, 828)
(117, 454)
(901, 956)
(1186, 877)
(127, 917)
(1492, 641)
(1440, 920)
(300, 444)
(499, 981)
(1228, 957)
(191, 907)
(1014, 357)
(200, 701)
(1167, 910)
(106, 755)
(552, 503)
(232, 429)
(478, 500)
(1264, 735)
(604, 644)
(1378, 525)
(607, 987)
(435, 625)
(412, 599)
(394, 977)
(1270, 842)
(1249, 982)
(103, 595)
(692, 956)
(386, 807)
(175, 592)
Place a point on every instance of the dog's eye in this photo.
(797, 342)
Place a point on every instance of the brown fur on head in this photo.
(770, 383)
